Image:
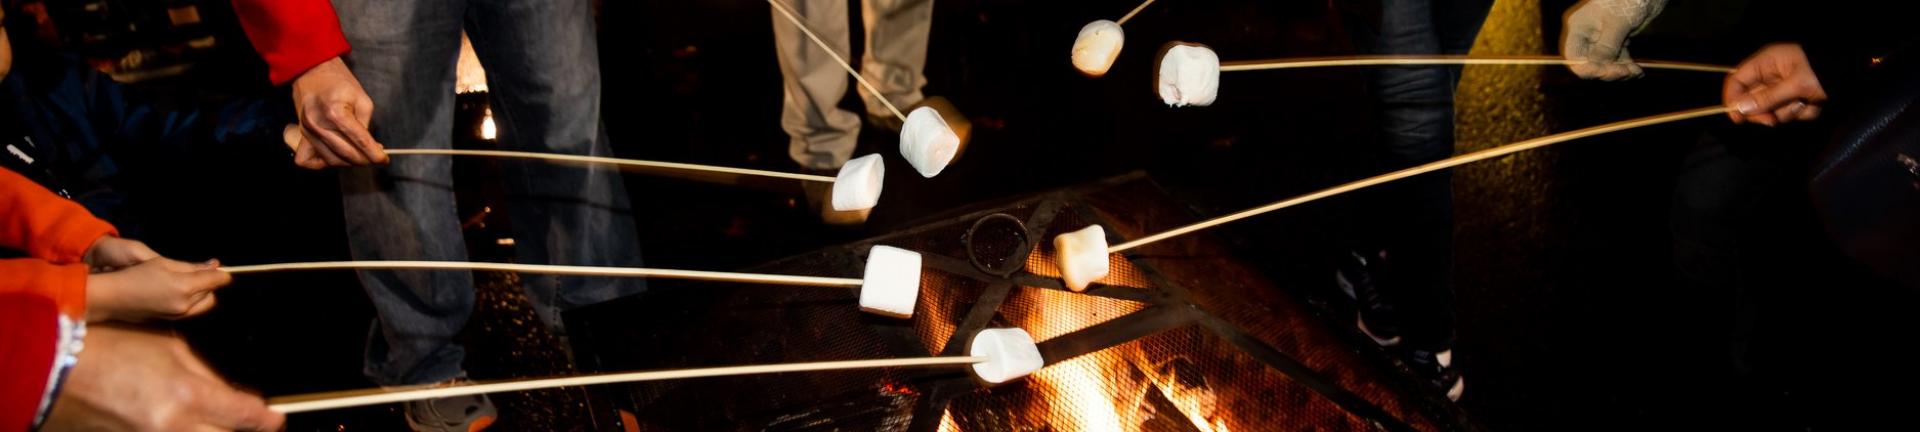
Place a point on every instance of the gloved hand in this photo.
(1596, 36)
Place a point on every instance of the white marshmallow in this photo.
(857, 187)
(1082, 255)
(1010, 354)
(927, 142)
(1189, 74)
(1096, 47)
(892, 283)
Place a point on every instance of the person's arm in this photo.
(135, 284)
(293, 36)
(43, 225)
(34, 361)
(302, 43)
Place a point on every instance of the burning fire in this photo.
(1106, 390)
(946, 422)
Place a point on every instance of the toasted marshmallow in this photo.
(1097, 46)
(1082, 255)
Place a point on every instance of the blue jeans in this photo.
(1412, 220)
(544, 74)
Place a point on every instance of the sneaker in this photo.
(1356, 277)
(455, 414)
(1437, 369)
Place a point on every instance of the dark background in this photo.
(1586, 317)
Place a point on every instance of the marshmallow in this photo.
(1082, 255)
(1096, 47)
(927, 142)
(892, 283)
(857, 187)
(1010, 354)
(1189, 74)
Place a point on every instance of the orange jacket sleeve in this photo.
(291, 35)
(64, 284)
(56, 233)
(43, 225)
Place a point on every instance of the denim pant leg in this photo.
(403, 54)
(1414, 218)
(543, 69)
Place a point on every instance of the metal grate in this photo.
(1180, 337)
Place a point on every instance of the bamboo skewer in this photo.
(1427, 168)
(1420, 60)
(785, 11)
(554, 269)
(354, 398)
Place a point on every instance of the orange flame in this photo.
(1100, 391)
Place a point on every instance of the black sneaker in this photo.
(1356, 275)
(1437, 369)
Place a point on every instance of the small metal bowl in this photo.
(998, 244)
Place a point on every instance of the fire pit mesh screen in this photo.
(1046, 313)
(944, 302)
(1178, 380)
(687, 325)
(1180, 337)
(1240, 297)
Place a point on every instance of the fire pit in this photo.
(1179, 337)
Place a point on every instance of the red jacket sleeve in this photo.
(292, 35)
(28, 338)
(43, 225)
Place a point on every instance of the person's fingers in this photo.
(294, 136)
(325, 153)
(306, 158)
(1769, 99)
(224, 407)
(1811, 113)
(1743, 80)
(1790, 112)
(139, 252)
(350, 127)
(321, 127)
(200, 303)
(203, 279)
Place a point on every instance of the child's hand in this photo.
(159, 288)
(111, 253)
